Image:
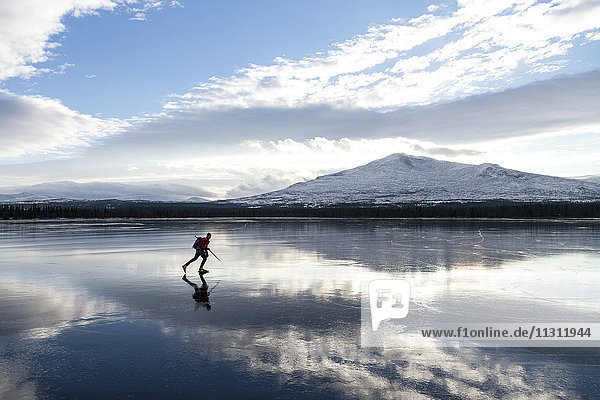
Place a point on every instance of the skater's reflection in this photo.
(201, 293)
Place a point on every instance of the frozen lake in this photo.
(99, 309)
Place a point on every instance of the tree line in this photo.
(101, 209)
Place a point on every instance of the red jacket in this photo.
(201, 244)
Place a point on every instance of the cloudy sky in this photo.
(239, 97)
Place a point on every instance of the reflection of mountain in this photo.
(422, 245)
(400, 178)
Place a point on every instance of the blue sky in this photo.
(177, 47)
(237, 97)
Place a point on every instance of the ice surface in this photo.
(81, 300)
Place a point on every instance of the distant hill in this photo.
(589, 178)
(398, 178)
(401, 178)
(104, 190)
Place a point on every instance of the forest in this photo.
(101, 209)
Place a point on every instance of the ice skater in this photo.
(201, 246)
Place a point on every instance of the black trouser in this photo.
(199, 253)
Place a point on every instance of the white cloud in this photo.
(593, 36)
(218, 148)
(38, 125)
(62, 69)
(141, 13)
(272, 125)
(566, 153)
(28, 28)
(481, 46)
(541, 107)
(260, 180)
(28, 32)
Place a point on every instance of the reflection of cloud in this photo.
(297, 267)
(45, 309)
(332, 360)
(13, 380)
(41, 310)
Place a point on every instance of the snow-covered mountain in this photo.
(401, 178)
(104, 190)
(398, 178)
(589, 178)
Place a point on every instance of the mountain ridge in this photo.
(69, 190)
(401, 178)
(397, 178)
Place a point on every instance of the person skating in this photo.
(201, 246)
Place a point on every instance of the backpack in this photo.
(198, 243)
